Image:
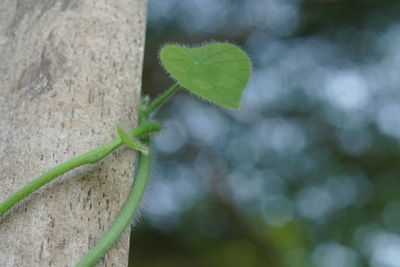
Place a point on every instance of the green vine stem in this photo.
(93, 156)
(125, 217)
(97, 155)
(90, 157)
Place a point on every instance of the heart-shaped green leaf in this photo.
(218, 72)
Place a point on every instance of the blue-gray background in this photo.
(308, 173)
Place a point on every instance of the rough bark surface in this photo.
(69, 72)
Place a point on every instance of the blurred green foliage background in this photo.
(307, 174)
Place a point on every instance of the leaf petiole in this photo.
(148, 110)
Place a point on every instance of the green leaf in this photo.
(125, 139)
(218, 72)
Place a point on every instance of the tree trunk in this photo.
(69, 72)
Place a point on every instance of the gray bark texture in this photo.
(69, 72)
